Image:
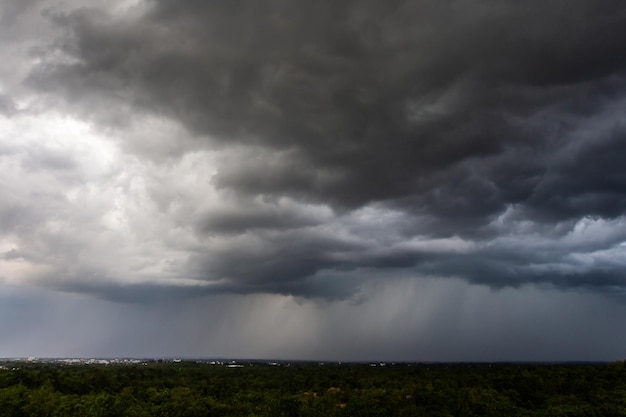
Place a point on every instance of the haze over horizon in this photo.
(354, 180)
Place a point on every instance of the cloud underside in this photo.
(306, 147)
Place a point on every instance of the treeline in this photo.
(197, 389)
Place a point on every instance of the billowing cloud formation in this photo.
(302, 148)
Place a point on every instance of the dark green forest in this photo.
(191, 389)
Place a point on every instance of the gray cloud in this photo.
(366, 104)
(7, 107)
(286, 147)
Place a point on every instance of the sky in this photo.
(354, 180)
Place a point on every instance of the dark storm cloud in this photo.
(249, 215)
(379, 98)
(590, 181)
(461, 116)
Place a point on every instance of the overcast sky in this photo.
(353, 180)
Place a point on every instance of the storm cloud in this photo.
(176, 149)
